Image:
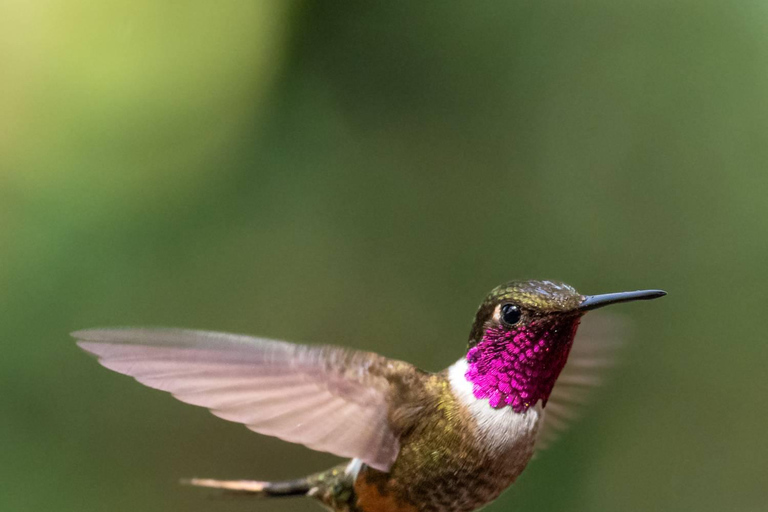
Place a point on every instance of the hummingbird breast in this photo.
(460, 455)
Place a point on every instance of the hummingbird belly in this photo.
(453, 460)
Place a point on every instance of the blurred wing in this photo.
(327, 398)
(594, 352)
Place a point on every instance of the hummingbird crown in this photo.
(520, 341)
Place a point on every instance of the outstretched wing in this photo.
(327, 398)
(594, 352)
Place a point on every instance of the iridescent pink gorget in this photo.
(519, 367)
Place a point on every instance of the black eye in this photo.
(510, 314)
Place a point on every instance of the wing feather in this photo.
(327, 398)
(594, 351)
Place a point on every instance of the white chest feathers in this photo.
(500, 429)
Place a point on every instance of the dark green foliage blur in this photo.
(362, 173)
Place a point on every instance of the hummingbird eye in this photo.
(510, 314)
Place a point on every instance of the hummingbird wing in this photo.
(327, 398)
(594, 352)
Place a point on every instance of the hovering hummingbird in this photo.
(450, 441)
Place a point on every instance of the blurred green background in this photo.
(362, 173)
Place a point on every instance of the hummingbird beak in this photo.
(591, 302)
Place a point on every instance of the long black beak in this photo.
(591, 302)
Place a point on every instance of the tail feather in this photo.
(333, 487)
(298, 487)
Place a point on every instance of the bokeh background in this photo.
(362, 173)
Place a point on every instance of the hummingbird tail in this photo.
(333, 487)
(299, 487)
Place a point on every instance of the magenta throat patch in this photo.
(519, 367)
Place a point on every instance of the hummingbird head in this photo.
(522, 335)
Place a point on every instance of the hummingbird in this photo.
(418, 441)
